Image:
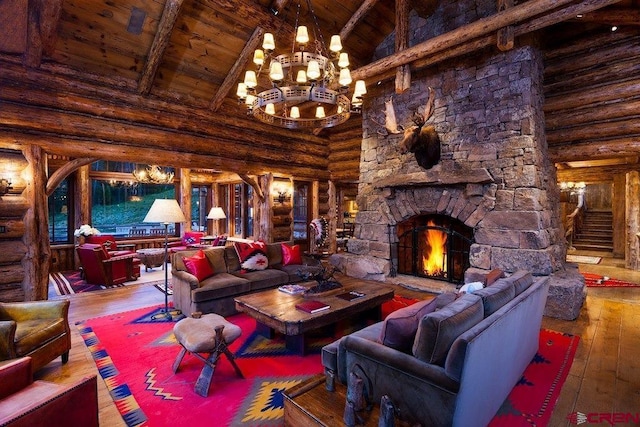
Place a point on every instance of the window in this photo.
(61, 213)
(200, 207)
(239, 198)
(301, 215)
(119, 203)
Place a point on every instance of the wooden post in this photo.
(633, 221)
(618, 211)
(185, 196)
(505, 34)
(36, 236)
(403, 72)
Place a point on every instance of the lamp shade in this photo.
(216, 213)
(165, 211)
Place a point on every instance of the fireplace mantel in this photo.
(436, 176)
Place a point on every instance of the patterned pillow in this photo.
(199, 266)
(291, 255)
(253, 256)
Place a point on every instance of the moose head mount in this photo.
(420, 139)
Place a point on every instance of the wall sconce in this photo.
(280, 193)
(5, 186)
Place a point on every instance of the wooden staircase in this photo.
(596, 233)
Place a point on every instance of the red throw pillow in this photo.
(253, 256)
(291, 255)
(199, 266)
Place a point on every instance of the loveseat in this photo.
(466, 356)
(228, 279)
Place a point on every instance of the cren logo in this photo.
(577, 418)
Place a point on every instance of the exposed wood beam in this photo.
(160, 43)
(60, 174)
(253, 182)
(595, 173)
(238, 67)
(42, 21)
(506, 38)
(618, 16)
(362, 11)
(457, 43)
(593, 150)
(462, 40)
(403, 72)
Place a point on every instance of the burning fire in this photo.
(434, 263)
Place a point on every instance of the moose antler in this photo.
(423, 140)
(390, 121)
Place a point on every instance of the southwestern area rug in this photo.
(597, 281)
(148, 393)
(71, 282)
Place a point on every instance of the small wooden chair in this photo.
(194, 335)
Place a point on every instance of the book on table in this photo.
(312, 306)
(292, 289)
(351, 295)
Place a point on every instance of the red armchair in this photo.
(101, 268)
(110, 244)
(25, 402)
(189, 238)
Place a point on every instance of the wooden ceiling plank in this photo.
(238, 67)
(618, 16)
(42, 21)
(160, 42)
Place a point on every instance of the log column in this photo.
(633, 221)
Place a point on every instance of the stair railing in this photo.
(574, 223)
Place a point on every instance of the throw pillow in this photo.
(253, 256)
(199, 266)
(291, 255)
(399, 328)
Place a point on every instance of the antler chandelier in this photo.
(153, 175)
(315, 75)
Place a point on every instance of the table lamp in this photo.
(165, 211)
(215, 214)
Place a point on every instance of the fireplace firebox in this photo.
(435, 247)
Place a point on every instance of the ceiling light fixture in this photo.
(317, 75)
(153, 175)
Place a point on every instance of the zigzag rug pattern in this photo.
(134, 354)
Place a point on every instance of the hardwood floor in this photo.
(604, 376)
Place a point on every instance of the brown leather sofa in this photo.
(28, 403)
(38, 329)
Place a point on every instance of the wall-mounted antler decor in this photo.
(423, 140)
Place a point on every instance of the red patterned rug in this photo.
(71, 282)
(148, 393)
(597, 280)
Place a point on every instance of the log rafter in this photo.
(42, 20)
(160, 42)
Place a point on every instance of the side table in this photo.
(151, 257)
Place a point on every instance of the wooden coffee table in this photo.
(276, 311)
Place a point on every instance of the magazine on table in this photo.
(351, 295)
(312, 306)
(292, 289)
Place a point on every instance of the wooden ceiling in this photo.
(190, 54)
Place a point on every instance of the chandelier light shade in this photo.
(153, 175)
(308, 79)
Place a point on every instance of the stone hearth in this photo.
(494, 174)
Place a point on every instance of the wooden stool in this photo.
(211, 334)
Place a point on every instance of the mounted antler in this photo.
(423, 140)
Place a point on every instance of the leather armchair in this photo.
(101, 268)
(28, 403)
(38, 329)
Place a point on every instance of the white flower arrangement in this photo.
(86, 230)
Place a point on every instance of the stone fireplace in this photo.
(494, 177)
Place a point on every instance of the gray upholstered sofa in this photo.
(216, 294)
(465, 357)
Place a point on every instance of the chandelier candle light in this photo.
(316, 75)
(153, 175)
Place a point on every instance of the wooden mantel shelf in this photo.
(437, 176)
